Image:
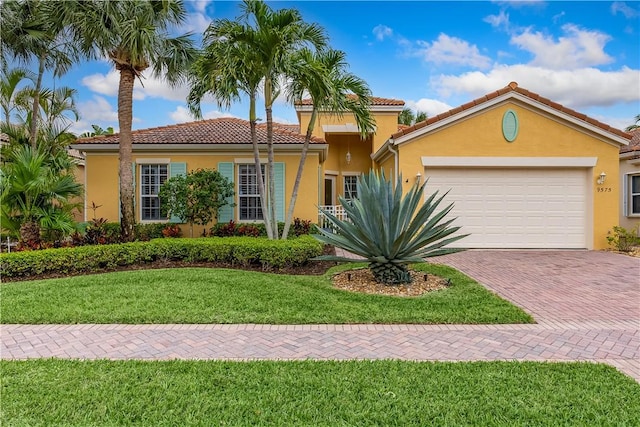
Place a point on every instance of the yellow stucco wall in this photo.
(539, 136)
(626, 167)
(386, 125)
(102, 180)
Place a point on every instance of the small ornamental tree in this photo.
(196, 197)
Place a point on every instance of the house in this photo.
(521, 170)
(630, 183)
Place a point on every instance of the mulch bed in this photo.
(362, 281)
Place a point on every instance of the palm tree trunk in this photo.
(30, 233)
(268, 95)
(35, 111)
(256, 158)
(296, 185)
(125, 117)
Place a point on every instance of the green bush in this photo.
(622, 239)
(146, 232)
(299, 227)
(246, 251)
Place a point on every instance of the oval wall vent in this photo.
(510, 125)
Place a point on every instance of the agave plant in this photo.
(391, 231)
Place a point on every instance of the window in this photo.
(250, 207)
(634, 194)
(151, 178)
(350, 187)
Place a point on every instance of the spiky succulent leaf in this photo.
(391, 230)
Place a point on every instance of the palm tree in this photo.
(226, 69)
(97, 130)
(275, 36)
(323, 77)
(134, 36)
(35, 191)
(36, 30)
(406, 117)
(245, 56)
(635, 125)
(12, 90)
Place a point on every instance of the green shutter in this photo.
(134, 189)
(278, 173)
(175, 169)
(225, 214)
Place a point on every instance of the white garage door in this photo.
(515, 208)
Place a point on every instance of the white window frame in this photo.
(631, 194)
(255, 196)
(142, 196)
(346, 192)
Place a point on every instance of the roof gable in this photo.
(514, 91)
(212, 131)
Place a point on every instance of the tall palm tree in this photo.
(276, 35)
(249, 56)
(323, 76)
(226, 69)
(135, 36)
(36, 30)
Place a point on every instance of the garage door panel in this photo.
(515, 208)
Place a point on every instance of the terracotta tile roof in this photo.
(634, 144)
(512, 87)
(284, 126)
(213, 131)
(375, 100)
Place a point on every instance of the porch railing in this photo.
(335, 210)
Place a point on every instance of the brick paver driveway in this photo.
(559, 285)
(587, 305)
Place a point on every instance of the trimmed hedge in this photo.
(244, 251)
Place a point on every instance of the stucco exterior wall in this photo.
(540, 135)
(102, 179)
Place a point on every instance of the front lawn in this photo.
(363, 393)
(202, 295)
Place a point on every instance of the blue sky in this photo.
(433, 55)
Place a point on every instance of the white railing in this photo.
(335, 210)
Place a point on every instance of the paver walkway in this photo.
(587, 305)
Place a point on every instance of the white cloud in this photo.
(432, 107)
(627, 11)
(576, 89)
(382, 31)
(97, 110)
(107, 84)
(181, 115)
(283, 121)
(452, 50)
(501, 20)
(196, 23)
(577, 48)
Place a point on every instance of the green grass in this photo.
(363, 393)
(201, 295)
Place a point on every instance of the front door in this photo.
(329, 190)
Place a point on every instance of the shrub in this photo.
(247, 251)
(146, 232)
(622, 239)
(171, 230)
(300, 227)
